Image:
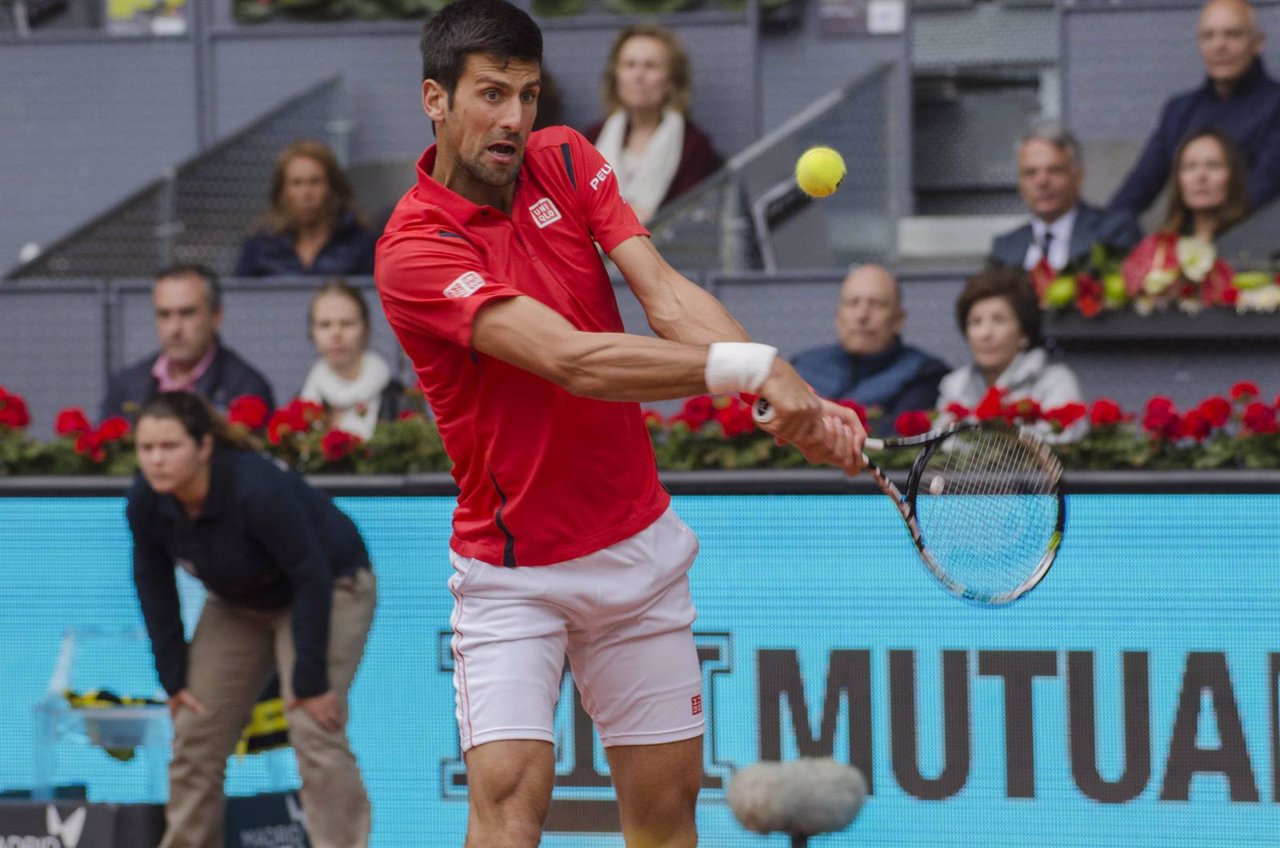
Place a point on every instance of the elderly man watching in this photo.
(1238, 97)
(870, 364)
(1063, 228)
(187, 302)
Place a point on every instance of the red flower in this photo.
(652, 419)
(72, 422)
(695, 412)
(90, 445)
(113, 429)
(734, 417)
(1230, 295)
(338, 444)
(1042, 277)
(406, 414)
(1259, 418)
(957, 411)
(991, 406)
(1244, 389)
(1195, 425)
(856, 407)
(13, 411)
(296, 417)
(1161, 418)
(1088, 295)
(249, 410)
(1106, 411)
(1067, 414)
(1022, 409)
(912, 423)
(1217, 410)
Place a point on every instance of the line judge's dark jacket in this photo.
(1011, 248)
(228, 377)
(265, 539)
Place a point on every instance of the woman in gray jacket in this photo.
(999, 315)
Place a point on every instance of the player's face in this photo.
(168, 457)
(338, 331)
(489, 121)
(1204, 176)
(306, 189)
(643, 73)
(869, 316)
(1048, 179)
(1229, 40)
(994, 334)
(185, 323)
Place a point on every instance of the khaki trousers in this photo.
(229, 662)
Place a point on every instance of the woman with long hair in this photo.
(290, 590)
(311, 226)
(656, 150)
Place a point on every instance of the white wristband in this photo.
(738, 366)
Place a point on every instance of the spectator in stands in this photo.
(1208, 194)
(999, 315)
(354, 384)
(870, 364)
(187, 301)
(656, 150)
(1063, 228)
(1239, 98)
(311, 226)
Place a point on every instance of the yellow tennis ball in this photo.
(819, 171)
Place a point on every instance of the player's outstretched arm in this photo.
(625, 367)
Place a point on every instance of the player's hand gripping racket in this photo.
(983, 504)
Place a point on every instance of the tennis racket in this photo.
(983, 504)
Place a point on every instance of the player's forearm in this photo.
(693, 315)
(624, 367)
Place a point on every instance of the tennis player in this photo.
(563, 541)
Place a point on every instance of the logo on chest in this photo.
(544, 213)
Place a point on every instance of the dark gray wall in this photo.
(83, 123)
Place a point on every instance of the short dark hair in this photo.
(1011, 284)
(476, 27)
(194, 269)
(198, 419)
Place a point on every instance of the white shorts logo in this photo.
(465, 286)
(544, 212)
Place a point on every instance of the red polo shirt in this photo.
(544, 476)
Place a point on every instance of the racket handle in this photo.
(762, 412)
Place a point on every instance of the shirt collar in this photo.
(1060, 228)
(435, 194)
(160, 370)
(869, 363)
(1248, 81)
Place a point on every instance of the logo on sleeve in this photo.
(465, 286)
(600, 176)
(544, 212)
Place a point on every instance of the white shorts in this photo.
(623, 615)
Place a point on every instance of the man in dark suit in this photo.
(188, 308)
(1063, 228)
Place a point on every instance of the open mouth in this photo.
(503, 150)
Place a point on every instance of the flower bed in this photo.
(1238, 430)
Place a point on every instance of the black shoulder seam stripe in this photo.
(568, 163)
(448, 234)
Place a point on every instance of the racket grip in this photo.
(762, 412)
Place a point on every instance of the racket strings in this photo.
(987, 507)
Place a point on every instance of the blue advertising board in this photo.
(1130, 700)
